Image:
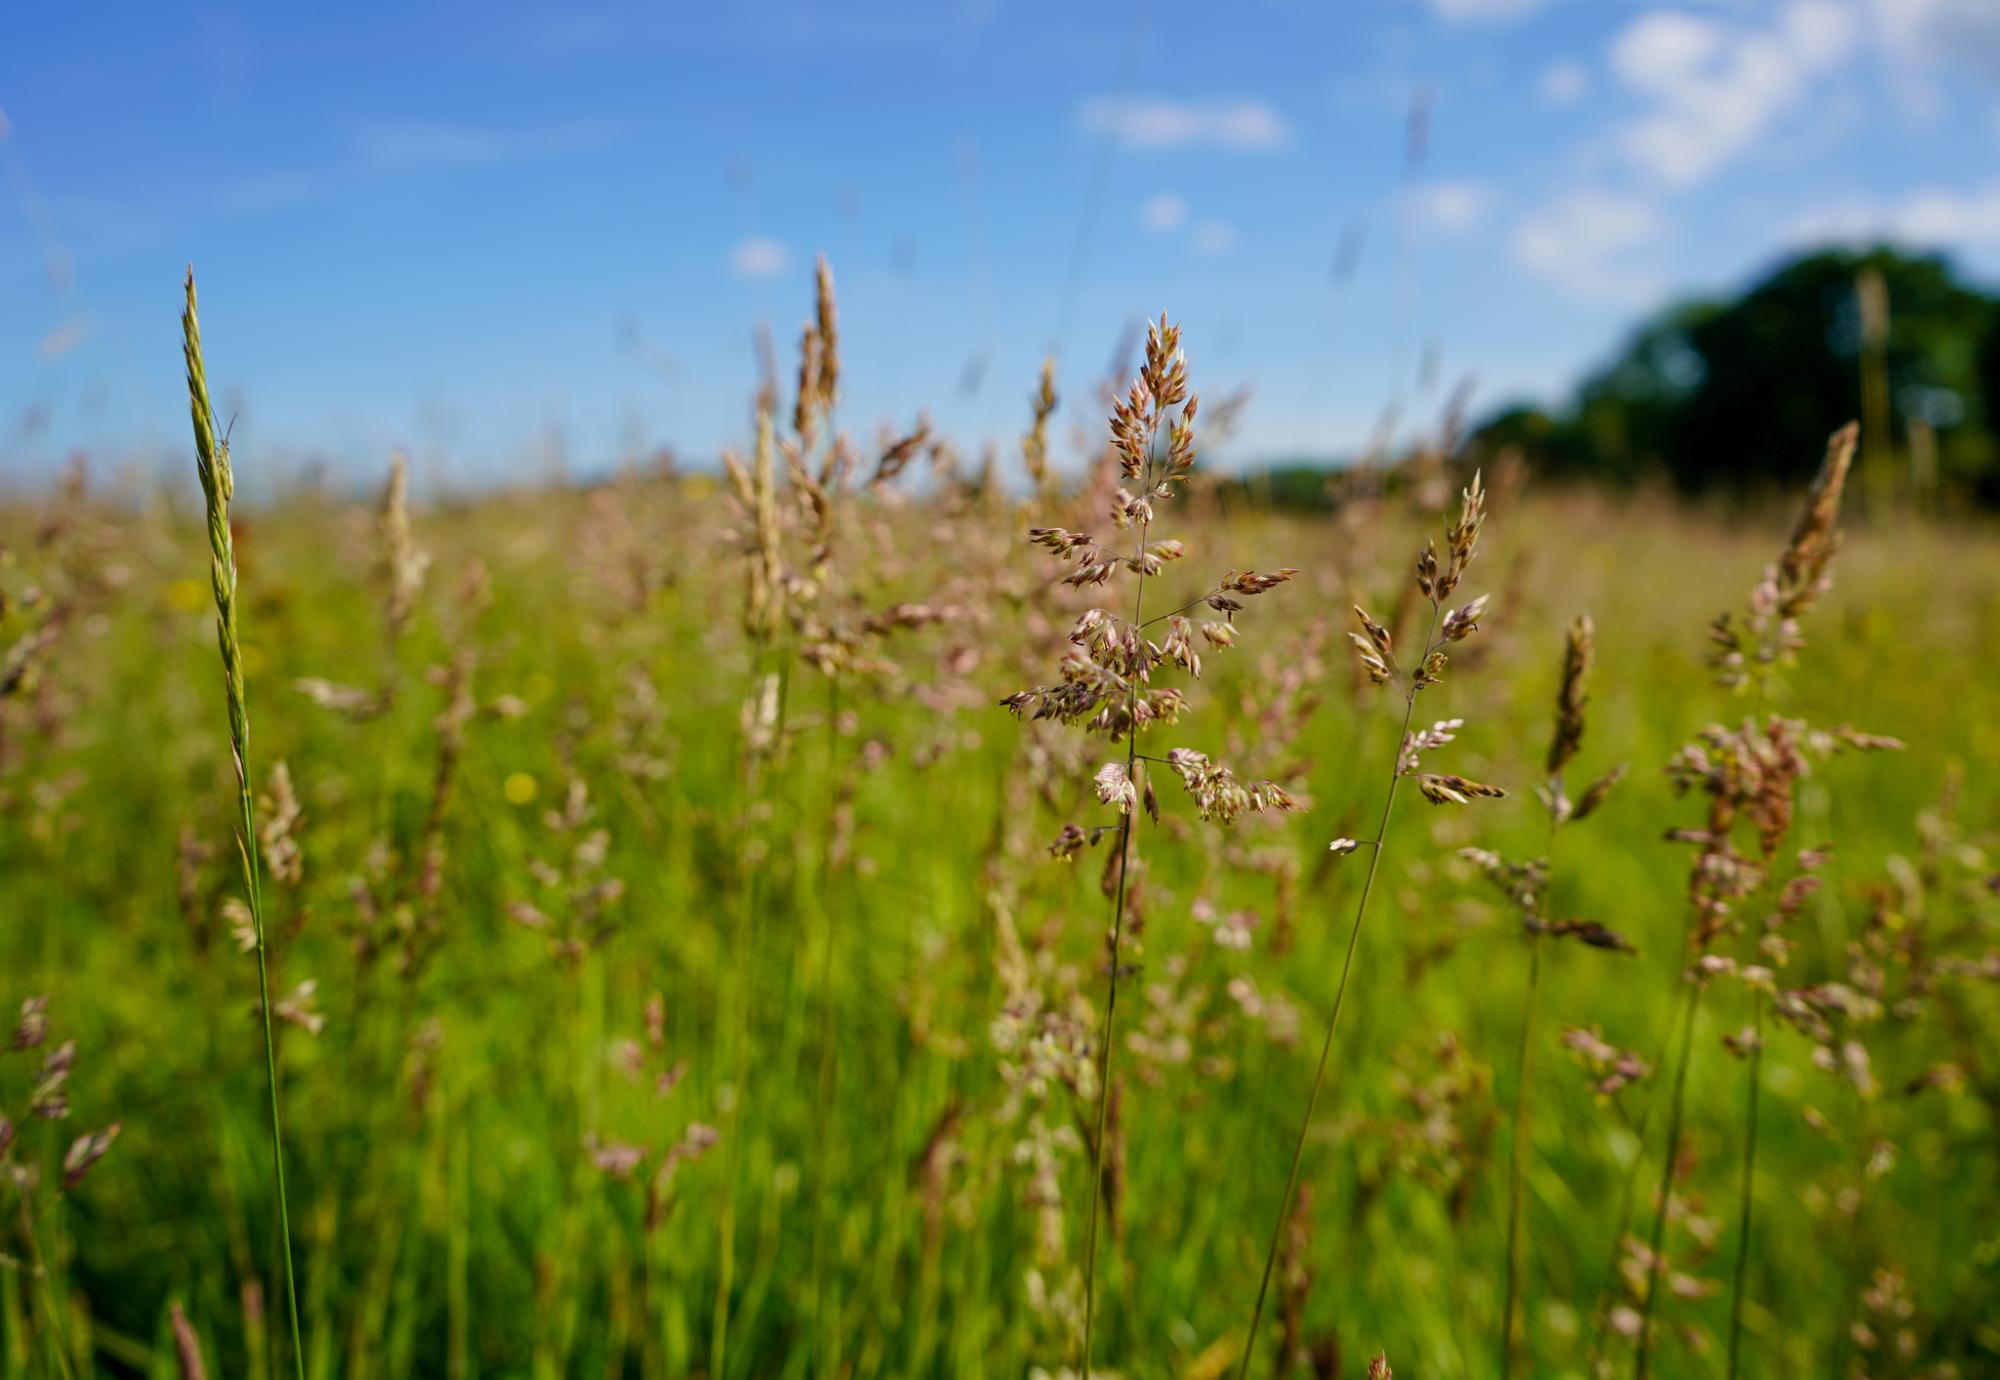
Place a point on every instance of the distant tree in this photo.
(1743, 393)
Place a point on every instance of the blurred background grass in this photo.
(450, 1215)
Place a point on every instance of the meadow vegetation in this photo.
(679, 962)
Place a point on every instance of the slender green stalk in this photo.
(218, 486)
(1518, 1165)
(58, 1337)
(1756, 1074)
(761, 617)
(1627, 1195)
(1676, 1105)
(1749, 1174)
(1375, 847)
(1843, 1337)
(1117, 938)
(739, 1026)
(826, 1313)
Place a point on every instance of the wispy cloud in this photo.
(1215, 237)
(1715, 89)
(1563, 83)
(1164, 214)
(1584, 243)
(1930, 218)
(1245, 125)
(1454, 208)
(760, 257)
(379, 148)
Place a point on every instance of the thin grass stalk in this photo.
(1642, 1357)
(218, 486)
(1740, 1273)
(1627, 1201)
(1789, 589)
(826, 1316)
(739, 1026)
(58, 1334)
(1117, 933)
(1745, 1207)
(1374, 847)
(1843, 1337)
(1518, 1159)
(757, 489)
(1572, 698)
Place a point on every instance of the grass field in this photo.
(656, 1001)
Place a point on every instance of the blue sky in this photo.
(506, 237)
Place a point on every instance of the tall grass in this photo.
(1528, 886)
(1374, 644)
(218, 487)
(1104, 683)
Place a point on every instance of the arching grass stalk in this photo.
(1374, 847)
(218, 486)
(1378, 659)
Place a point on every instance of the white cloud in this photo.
(1164, 213)
(1584, 242)
(1563, 83)
(1153, 124)
(1215, 237)
(1716, 90)
(1452, 207)
(1930, 218)
(759, 257)
(1485, 9)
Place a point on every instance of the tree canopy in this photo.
(1743, 392)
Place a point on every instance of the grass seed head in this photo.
(1035, 445)
(1573, 693)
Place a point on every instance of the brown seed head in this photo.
(805, 412)
(1802, 569)
(1573, 694)
(827, 327)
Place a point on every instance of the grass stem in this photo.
(1745, 1207)
(218, 487)
(1377, 845)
